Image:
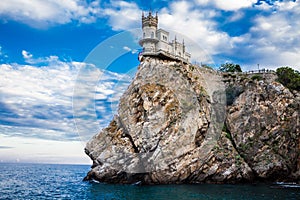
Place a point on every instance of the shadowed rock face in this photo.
(264, 124)
(169, 130)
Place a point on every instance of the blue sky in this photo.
(65, 63)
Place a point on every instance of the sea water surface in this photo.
(52, 181)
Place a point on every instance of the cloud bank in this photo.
(43, 13)
(37, 101)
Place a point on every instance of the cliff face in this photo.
(264, 124)
(169, 129)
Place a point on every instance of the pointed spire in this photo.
(143, 14)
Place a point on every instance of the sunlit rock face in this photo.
(170, 129)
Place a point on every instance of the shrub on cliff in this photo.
(289, 77)
(256, 77)
(230, 67)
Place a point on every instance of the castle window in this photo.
(144, 34)
(152, 35)
(165, 38)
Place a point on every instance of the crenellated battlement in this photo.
(150, 20)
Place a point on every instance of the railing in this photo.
(260, 71)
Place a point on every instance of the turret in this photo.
(149, 21)
(149, 26)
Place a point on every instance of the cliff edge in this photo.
(178, 123)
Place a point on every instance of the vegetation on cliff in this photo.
(289, 78)
(230, 67)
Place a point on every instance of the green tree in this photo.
(230, 67)
(289, 78)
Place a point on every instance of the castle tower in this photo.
(149, 26)
(156, 43)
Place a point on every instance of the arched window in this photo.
(152, 35)
(144, 34)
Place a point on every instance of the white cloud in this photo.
(3, 55)
(44, 13)
(233, 4)
(228, 5)
(203, 2)
(198, 25)
(273, 40)
(126, 48)
(133, 51)
(123, 15)
(286, 5)
(236, 16)
(26, 55)
(277, 5)
(51, 60)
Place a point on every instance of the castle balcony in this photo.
(163, 55)
(148, 40)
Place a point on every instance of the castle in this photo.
(156, 42)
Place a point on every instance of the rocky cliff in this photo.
(178, 123)
(263, 122)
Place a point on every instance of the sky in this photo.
(65, 63)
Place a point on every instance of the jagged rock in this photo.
(169, 129)
(264, 123)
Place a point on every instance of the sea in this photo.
(56, 181)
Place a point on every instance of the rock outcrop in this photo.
(170, 129)
(264, 124)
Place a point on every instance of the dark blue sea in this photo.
(51, 181)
